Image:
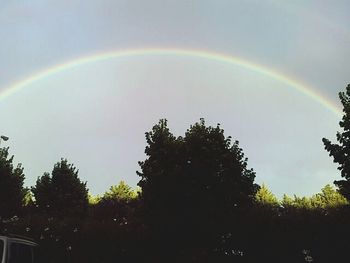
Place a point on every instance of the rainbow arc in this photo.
(223, 58)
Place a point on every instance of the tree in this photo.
(160, 150)
(302, 202)
(341, 151)
(62, 193)
(118, 203)
(203, 164)
(328, 198)
(287, 202)
(193, 185)
(265, 197)
(93, 199)
(12, 192)
(121, 192)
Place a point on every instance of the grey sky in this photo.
(96, 115)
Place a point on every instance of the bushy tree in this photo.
(341, 151)
(328, 197)
(193, 185)
(12, 192)
(62, 193)
(287, 201)
(118, 203)
(203, 164)
(42, 192)
(122, 191)
(265, 197)
(302, 202)
(93, 199)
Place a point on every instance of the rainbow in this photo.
(224, 58)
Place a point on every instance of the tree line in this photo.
(197, 201)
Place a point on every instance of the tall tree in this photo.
(157, 168)
(203, 164)
(12, 192)
(192, 185)
(62, 193)
(341, 151)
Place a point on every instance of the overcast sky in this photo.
(96, 114)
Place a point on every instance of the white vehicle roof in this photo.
(18, 239)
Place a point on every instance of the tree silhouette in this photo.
(341, 151)
(12, 192)
(62, 193)
(193, 185)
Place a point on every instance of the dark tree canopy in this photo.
(341, 151)
(203, 166)
(12, 192)
(62, 193)
(156, 175)
(194, 184)
(194, 206)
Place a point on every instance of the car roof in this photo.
(18, 239)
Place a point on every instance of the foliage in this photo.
(28, 198)
(195, 206)
(265, 197)
(287, 202)
(203, 164)
(193, 186)
(117, 204)
(93, 200)
(328, 198)
(12, 192)
(341, 151)
(62, 193)
(302, 202)
(121, 192)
